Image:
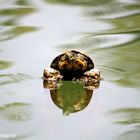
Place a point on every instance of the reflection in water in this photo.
(22, 2)
(131, 117)
(16, 11)
(113, 9)
(10, 17)
(124, 57)
(127, 116)
(81, 2)
(16, 111)
(5, 64)
(103, 8)
(71, 96)
(16, 31)
(12, 78)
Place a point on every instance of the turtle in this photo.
(71, 79)
(71, 65)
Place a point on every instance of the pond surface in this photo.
(32, 33)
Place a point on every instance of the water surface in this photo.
(32, 33)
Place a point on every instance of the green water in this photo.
(33, 32)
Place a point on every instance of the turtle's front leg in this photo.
(93, 73)
(90, 79)
(52, 78)
(52, 74)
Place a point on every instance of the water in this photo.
(32, 33)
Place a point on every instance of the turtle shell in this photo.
(72, 64)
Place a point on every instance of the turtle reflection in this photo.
(70, 96)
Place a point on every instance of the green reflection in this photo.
(10, 18)
(112, 8)
(5, 64)
(125, 57)
(9, 22)
(16, 111)
(12, 78)
(122, 25)
(16, 31)
(80, 2)
(12, 15)
(126, 24)
(16, 11)
(127, 116)
(71, 97)
(22, 2)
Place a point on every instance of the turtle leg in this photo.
(92, 79)
(52, 78)
(52, 74)
(93, 73)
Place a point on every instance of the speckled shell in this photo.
(72, 64)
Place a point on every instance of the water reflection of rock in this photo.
(71, 97)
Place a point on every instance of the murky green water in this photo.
(32, 33)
